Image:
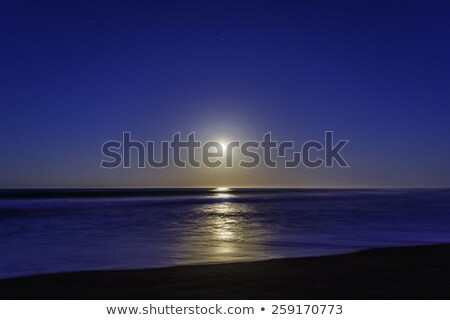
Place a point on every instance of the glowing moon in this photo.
(224, 146)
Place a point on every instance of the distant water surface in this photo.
(71, 230)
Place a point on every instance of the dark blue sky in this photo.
(74, 75)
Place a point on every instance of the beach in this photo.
(416, 272)
(215, 244)
(60, 231)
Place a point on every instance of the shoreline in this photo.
(414, 272)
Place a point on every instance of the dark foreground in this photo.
(421, 272)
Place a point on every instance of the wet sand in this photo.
(419, 272)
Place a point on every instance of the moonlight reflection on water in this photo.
(225, 232)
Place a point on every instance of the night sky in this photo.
(74, 75)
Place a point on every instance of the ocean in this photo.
(49, 231)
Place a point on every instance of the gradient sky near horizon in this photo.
(74, 75)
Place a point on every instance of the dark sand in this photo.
(421, 272)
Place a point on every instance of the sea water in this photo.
(63, 231)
